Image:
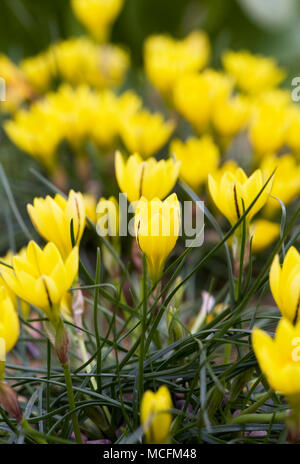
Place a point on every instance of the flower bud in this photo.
(9, 401)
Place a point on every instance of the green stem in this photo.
(68, 380)
(259, 418)
(258, 403)
(98, 341)
(32, 432)
(143, 330)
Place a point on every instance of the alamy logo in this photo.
(296, 351)
(296, 89)
(2, 90)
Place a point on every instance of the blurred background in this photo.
(270, 27)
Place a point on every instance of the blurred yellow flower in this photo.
(199, 157)
(230, 115)
(42, 278)
(77, 61)
(196, 94)
(97, 15)
(52, 219)
(90, 204)
(38, 132)
(40, 70)
(148, 178)
(264, 233)
(157, 226)
(285, 284)
(279, 357)
(17, 88)
(286, 184)
(8, 259)
(233, 189)
(155, 417)
(9, 322)
(269, 122)
(293, 130)
(166, 59)
(252, 73)
(145, 133)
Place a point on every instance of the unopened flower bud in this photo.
(9, 401)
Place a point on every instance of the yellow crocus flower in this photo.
(42, 278)
(145, 133)
(230, 115)
(52, 219)
(97, 15)
(252, 73)
(17, 88)
(9, 322)
(38, 132)
(279, 358)
(166, 59)
(199, 157)
(269, 122)
(77, 61)
(293, 130)
(285, 284)
(157, 226)
(286, 184)
(90, 204)
(148, 178)
(230, 190)
(8, 259)
(155, 417)
(196, 94)
(264, 233)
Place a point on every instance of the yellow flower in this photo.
(252, 73)
(293, 130)
(40, 70)
(9, 322)
(155, 417)
(149, 178)
(52, 219)
(157, 226)
(8, 259)
(42, 278)
(145, 132)
(166, 59)
(196, 94)
(90, 205)
(17, 88)
(269, 122)
(264, 233)
(37, 131)
(230, 115)
(279, 357)
(285, 284)
(232, 189)
(286, 184)
(199, 157)
(107, 213)
(77, 61)
(97, 15)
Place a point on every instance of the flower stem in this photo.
(143, 330)
(259, 418)
(68, 380)
(32, 432)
